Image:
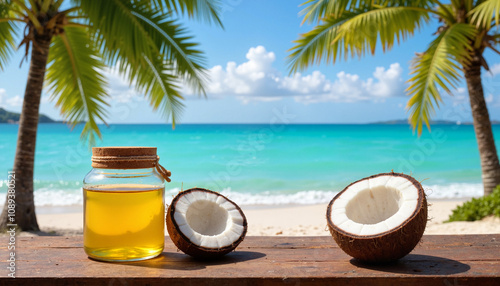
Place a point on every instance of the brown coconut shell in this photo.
(387, 246)
(185, 245)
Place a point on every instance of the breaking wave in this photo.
(47, 196)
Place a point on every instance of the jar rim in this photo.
(129, 157)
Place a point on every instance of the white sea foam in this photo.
(269, 198)
(454, 191)
(59, 197)
(47, 197)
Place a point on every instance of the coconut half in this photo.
(379, 218)
(205, 224)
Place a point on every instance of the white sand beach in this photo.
(285, 220)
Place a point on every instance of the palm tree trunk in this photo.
(482, 126)
(25, 217)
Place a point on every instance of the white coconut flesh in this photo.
(208, 220)
(373, 206)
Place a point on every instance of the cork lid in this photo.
(124, 157)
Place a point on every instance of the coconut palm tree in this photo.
(71, 43)
(467, 28)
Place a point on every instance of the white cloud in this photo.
(495, 69)
(3, 94)
(15, 101)
(492, 101)
(7, 102)
(45, 99)
(119, 88)
(314, 83)
(489, 98)
(254, 77)
(257, 79)
(389, 82)
(350, 87)
(460, 97)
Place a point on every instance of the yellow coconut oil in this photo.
(123, 222)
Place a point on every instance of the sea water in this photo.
(257, 164)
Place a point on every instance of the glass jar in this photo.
(124, 209)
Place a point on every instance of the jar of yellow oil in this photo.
(124, 209)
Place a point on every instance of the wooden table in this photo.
(438, 260)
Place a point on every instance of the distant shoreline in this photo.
(8, 117)
(391, 122)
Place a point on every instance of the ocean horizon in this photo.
(261, 164)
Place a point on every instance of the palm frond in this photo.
(29, 13)
(45, 5)
(147, 47)
(439, 67)
(316, 10)
(162, 88)
(176, 47)
(117, 31)
(75, 79)
(469, 4)
(156, 79)
(355, 33)
(317, 45)
(486, 14)
(7, 35)
(34, 6)
(206, 10)
(446, 13)
(128, 32)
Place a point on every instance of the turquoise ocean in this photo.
(260, 164)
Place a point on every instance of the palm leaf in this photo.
(355, 33)
(207, 10)
(316, 10)
(171, 41)
(320, 44)
(117, 31)
(148, 49)
(154, 77)
(75, 79)
(128, 31)
(486, 13)
(438, 67)
(7, 35)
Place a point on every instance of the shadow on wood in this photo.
(418, 264)
(166, 260)
(236, 257)
(181, 261)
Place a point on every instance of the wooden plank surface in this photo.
(437, 260)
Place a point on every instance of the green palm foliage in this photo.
(74, 43)
(438, 67)
(387, 22)
(349, 28)
(142, 40)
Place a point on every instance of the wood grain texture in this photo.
(437, 260)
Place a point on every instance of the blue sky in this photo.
(250, 81)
